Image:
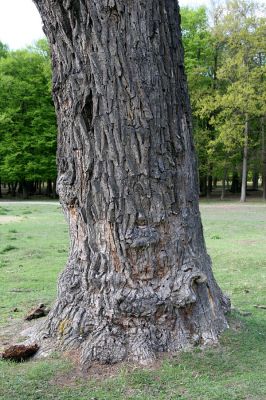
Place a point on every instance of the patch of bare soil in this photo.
(10, 334)
(99, 372)
(19, 331)
(249, 242)
(232, 207)
(5, 219)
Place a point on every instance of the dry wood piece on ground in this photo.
(20, 352)
(40, 311)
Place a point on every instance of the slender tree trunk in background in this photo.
(235, 183)
(203, 185)
(245, 164)
(255, 180)
(263, 141)
(12, 188)
(138, 279)
(0, 188)
(209, 184)
(49, 189)
(223, 184)
(40, 188)
(25, 192)
(54, 189)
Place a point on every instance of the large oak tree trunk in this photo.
(138, 279)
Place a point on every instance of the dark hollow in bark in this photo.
(138, 279)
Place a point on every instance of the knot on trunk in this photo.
(184, 289)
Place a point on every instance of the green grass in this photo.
(236, 370)
(32, 252)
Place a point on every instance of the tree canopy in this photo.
(225, 63)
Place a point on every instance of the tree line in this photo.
(225, 61)
(225, 57)
(27, 122)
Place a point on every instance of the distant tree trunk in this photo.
(209, 186)
(12, 188)
(49, 189)
(54, 189)
(263, 140)
(0, 188)
(40, 187)
(138, 279)
(235, 183)
(245, 164)
(203, 185)
(223, 184)
(25, 191)
(255, 180)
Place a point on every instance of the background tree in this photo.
(242, 97)
(227, 112)
(200, 63)
(27, 118)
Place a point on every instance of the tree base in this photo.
(137, 341)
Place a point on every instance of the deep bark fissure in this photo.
(138, 279)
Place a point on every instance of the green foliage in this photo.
(242, 74)
(27, 117)
(3, 50)
(226, 65)
(30, 270)
(197, 42)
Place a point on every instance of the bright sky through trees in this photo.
(20, 23)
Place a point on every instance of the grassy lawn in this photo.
(33, 250)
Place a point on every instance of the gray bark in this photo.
(245, 164)
(138, 279)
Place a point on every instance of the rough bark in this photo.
(245, 164)
(138, 279)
